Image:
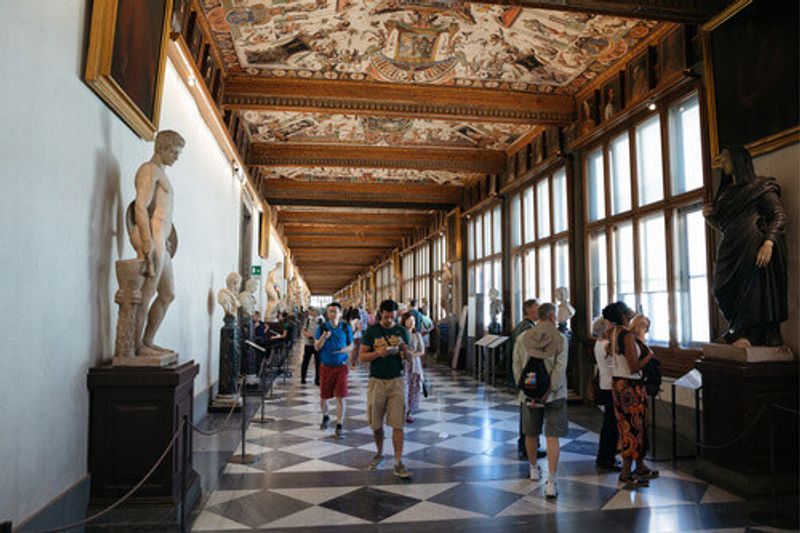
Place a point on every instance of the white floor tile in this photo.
(429, 511)
(208, 521)
(315, 496)
(314, 517)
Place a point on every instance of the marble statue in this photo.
(564, 310)
(446, 299)
(495, 310)
(247, 298)
(271, 289)
(228, 297)
(751, 277)
(150, 275)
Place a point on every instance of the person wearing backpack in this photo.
(334, 342)
(540, 369)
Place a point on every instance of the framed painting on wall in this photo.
(673, 54)
(611, 97)
(588, 113)
(552, 141)
(126, 58)
(751, 68)
(263, 234)
(454, 235)
(639, 78)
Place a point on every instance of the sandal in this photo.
(633, 481)
(647, 473)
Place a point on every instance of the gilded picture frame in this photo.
(126, 58)
(758, 143)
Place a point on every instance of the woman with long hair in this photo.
(609, 434)
(629, 356)
(413, 366)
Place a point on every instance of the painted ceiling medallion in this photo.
(296, 127)
(441, 42)
(369, 175)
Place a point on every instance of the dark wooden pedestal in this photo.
(733, 395)
(134, 413)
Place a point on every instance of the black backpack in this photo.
(535, 380)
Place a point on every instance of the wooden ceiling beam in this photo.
(683, 11)
(327, 155)
(341, 241)
(288, 192)
(396, 100)
(355, 218)
(332, 230)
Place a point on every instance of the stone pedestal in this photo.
(246, 333)
(229, 364)
(751, 354)
(133, 415)
(734, 393)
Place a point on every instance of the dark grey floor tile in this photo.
(476, 498)
(371, 504)
(259, 508)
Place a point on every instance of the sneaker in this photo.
(376, 461)
(338, 432)
(613, 467)
(551, 488)
(409, 419)
(324, 424)
(540, 454)
(400, 471)
(535, 473)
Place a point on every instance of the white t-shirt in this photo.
(605, 365)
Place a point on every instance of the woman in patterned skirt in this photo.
(413, 367)
(629, 355)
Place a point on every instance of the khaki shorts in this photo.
(386, 397)
(553, 416)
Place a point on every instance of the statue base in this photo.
(133, 415)
(152, 361)
(222, 403)
(751, 354)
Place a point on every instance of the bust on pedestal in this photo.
(229, 345)
(495, 310)
(247, 300)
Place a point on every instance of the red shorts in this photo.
(333, 381)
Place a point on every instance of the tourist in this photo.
(629, 356)
(530, 309)
(385, 346)
(334, 341)
(354, 319)
(609, 434)
(545, 342)
(309, 351)
(413, 367)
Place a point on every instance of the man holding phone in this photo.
(384, 346)
(334, 342)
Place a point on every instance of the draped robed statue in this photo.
(750, 278)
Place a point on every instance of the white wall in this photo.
(68, 167)
(784, 166)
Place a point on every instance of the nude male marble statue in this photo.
(154, 238)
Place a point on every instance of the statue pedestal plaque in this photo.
(734, 394)
(751, 354)
(133, 415)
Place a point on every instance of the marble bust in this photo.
(271, 290)
(247, 298)
(564, 310)
(228, 297)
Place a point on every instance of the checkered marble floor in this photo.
(462, 452)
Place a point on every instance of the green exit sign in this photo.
(255, 270)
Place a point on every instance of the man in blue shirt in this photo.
(334, 342)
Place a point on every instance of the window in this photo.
(685, 146)
(648, 161)
(516, 221)
(560, 212)
(484, 268)
(543, 209)
(619, 164)
(654, 300)
(691, 276)
(542, 263)
(497, 239)
(597, 189)
(598, 272)
(624, 277)
(652, 253)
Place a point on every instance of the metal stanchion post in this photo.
(653, 423)
(244, 458)
(773, 483)
(184, 465)
(697, 435)
(674, 427)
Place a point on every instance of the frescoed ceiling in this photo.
(439, 42)
(288, 127)
(369, 175)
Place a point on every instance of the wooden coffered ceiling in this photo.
(365, 119)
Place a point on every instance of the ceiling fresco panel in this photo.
(440, 42)
(289, 127)
(369, 175)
